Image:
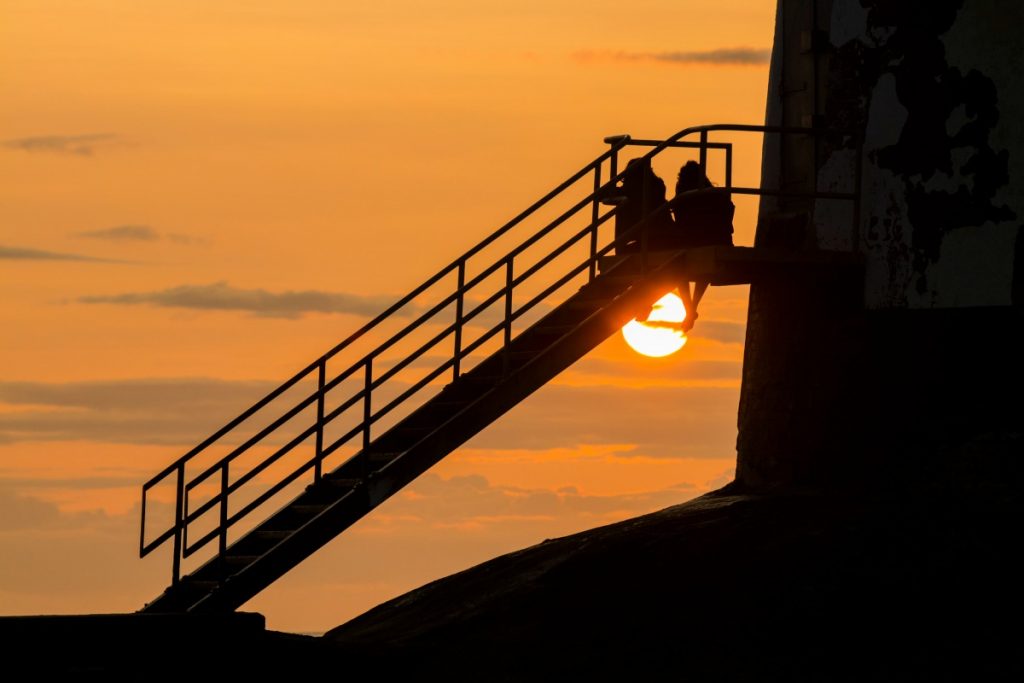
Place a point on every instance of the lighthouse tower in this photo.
(911, 375)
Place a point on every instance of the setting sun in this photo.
(660, 335)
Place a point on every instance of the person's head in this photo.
(691, 178)
(639, 173)
(636, 169)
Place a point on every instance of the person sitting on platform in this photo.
(703, 217)
(641, 195)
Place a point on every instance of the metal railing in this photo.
(592, 180)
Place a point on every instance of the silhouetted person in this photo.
(703, 217)
(641, 194)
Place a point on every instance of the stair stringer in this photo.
(637, 294)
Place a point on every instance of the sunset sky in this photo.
(175, 172)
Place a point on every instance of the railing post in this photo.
(223, 540)
(728, 167)
(458, 320)
(645, 202)
(704, 152)
(178, 523)
(142, 525)
(594, 215)
(366, 401)
(508, 311)
(321, 380)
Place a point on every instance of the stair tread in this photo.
(341, 482)
(273, 533)
(308, 507)
(382, 456)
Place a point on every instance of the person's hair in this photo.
(638, 171)
(691, 178)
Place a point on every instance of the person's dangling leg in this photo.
(689, 305)
(691, 308)
(698, 292)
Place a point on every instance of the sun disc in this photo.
(656, 340)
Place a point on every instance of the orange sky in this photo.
(310, 146)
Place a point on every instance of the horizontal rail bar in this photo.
(616, 144)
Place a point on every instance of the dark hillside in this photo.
(729, 587)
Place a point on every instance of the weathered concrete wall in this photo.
(935, 87)
(925, 351)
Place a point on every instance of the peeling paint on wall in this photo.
(933, 85)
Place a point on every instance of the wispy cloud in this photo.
(663, 422)
(75, 145)
(675, 421)
(721, 330)
(137, 233)
(221, 296)
(142, 233)
(130, 411)
(681, 372)
(25, 254)
(737, 56)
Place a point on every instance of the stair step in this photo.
(342, 483)
(591, 303)
(413, 429)
(553, 329)
(204, 584)
(378, 457)
(483, 380)
(314, 508)
(272, 534)
(239, 560)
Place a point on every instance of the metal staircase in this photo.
(394, 434)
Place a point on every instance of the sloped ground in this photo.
(726, 587)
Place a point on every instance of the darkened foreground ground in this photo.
(728, 587)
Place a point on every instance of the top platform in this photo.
(727, 265)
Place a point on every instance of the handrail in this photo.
(184, 485)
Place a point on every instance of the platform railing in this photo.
(596, 180)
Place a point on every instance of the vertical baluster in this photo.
(728, 167)
(645, 202)
(704, 152)
(142, 525)
(594, 215)
(223, 536)
(179, 504)
(458, 320)
(366, 401)
(321, 381)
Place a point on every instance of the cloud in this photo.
(641, 368)
(472, 501)
(137, 233)
(722, 331)
(674, 422)
(24, 254)
(19, 513)
(145, 411)
(663, 422)
(739, 56)
(76, 145)
(220, 296)
(142, 233)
